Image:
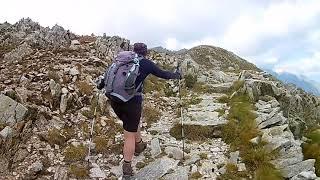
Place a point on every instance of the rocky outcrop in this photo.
(19, 53)
(276, 133)
(110, 46)
(11, 111)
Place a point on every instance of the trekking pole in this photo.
(181, 115)
(92, 126)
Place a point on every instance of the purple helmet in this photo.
(140, 48)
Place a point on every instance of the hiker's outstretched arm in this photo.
(155, 70)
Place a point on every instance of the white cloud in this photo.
(267, 32)
(249, 31)
(171, 43)
(305, 66)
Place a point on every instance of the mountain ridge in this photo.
(48, 99)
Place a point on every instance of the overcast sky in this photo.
(283, 35)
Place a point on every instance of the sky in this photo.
(282, 35)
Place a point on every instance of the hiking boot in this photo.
(140, 147)
(127, 170)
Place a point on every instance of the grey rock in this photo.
(194, 168)
(193, 159)
(255, 140)
(11, 111)
(274, 103)
(220, 87)
(36, 167)
(4, 163)
(180, 173)
(20, 155)
(156, 169)
(274, 120)
(75, 45)
(175, 152)
(222, 170)
(96, 172)
(284, 162)
(234, 156)
(74, 71)
(256, 88)
(277, 137)
(296, 169)
(220, 76)
(55, 88)
(241, 167)
(64, 103)
(6, 132)
(155, 147)
(274, 112)
(64, 91)
(61, 173)
(305, 175)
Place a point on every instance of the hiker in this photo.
(130, 112)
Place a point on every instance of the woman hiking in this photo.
(130, 112)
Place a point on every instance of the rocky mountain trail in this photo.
(48, 96)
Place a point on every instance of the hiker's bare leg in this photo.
(138, 134)
(129, 145)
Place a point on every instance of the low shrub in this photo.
(196, 175)
(195, 132)
(101, 143)
(190, 80)
(151, 115)
(78, 171)
(232, 173)
(59, 137)
(311, 150)
(238, 132)
(85, 88)
(75, 153)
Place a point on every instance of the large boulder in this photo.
(256, 88)
(110, 46)
(156, 169)
(11, 111)
(296, 169)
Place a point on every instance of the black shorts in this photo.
(129, 113)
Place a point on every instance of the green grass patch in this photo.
(311, 150)
(2, 125)
(223, 99)
(191, 101)
(196, 175)
(190, 80)
(59, 137)
(78, 171)
(101, 143)
(232, 173)
(151, 115)
(221, 112)
(152, 83)
(195, 132)
(238, 132)
(75, 153)
(203, 155)
(236, 86)
(267, 172)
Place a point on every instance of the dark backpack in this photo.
(120, 77)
